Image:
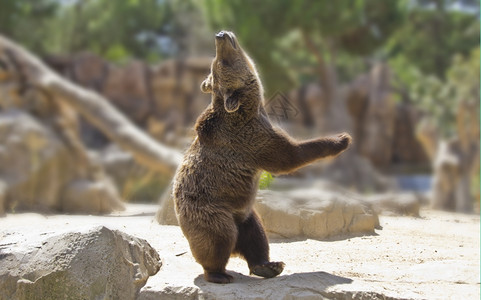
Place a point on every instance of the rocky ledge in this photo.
(435, 256)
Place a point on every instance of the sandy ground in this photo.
(436, 256)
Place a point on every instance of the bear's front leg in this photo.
(282, 154)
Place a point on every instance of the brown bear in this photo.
(215, 186)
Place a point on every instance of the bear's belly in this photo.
(214, 178)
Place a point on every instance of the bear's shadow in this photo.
(253, 285)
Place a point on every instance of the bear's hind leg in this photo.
(212, 247)
(252, 244)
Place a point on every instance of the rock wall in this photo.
(163, 99)
(384, 130)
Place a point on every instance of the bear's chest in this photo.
(208, 127)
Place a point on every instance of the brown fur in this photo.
(215, 187)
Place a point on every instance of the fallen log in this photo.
(17, 62)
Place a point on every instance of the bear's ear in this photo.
(206, 86)
(231, 102)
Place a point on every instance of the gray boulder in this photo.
(313, 213)
(97, 264)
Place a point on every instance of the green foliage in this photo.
(266, 180)
(145, 188)
(21, 20)
(274, 32)
(115, 30)
(440, 98)
(434, 56)
(430, 37)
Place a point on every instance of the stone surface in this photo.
(99, 263)
(432, 257)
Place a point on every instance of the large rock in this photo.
(40, 171)
(34, 163)
(90, 197)
(302, 213)
(97, 264)
(314, 214)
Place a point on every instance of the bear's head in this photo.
(233, 77)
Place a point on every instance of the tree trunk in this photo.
(16, 62)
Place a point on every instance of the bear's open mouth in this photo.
(222, 35)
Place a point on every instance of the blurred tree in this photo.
(428, 49)
(22, 20)
(116, 30)
(277, 33)
(434, 31)
(440, 98)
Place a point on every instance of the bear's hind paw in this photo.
(268, 270)
(217, 277)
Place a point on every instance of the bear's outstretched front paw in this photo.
(217, 277)
(268, 270)
(344, 140)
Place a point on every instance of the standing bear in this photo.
(215, 186)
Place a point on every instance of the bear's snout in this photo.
(221, 35)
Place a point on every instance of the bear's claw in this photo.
(268, 270)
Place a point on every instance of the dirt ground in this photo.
(436, 256)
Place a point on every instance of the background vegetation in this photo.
(431, 46)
